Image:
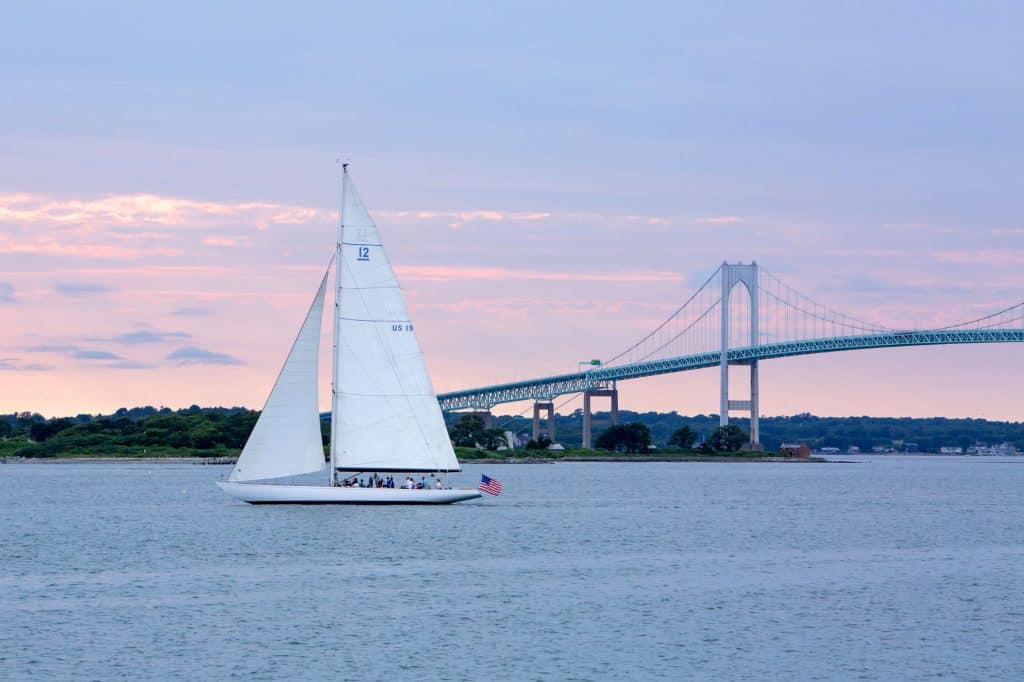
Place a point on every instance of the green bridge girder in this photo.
(546, 388)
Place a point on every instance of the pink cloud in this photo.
(53, 246)
(720, 220)
(146, 209)
(464, 216)
(991, 257)
(223, 241)
(454, 272)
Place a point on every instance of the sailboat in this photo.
(385, 417)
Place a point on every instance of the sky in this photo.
(551, 180)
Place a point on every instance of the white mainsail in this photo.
(286, 440)
(385, 414)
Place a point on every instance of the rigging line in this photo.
(670, 318)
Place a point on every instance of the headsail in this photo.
(286, 440)
(385, 412)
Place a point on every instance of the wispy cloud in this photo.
(193, 312)
(51, 245)
(79, 289)
(147, 209)
(50, 348)
(223, 241)
(720, 220)
(143, 337)
(988, 257)
(191, 355)
(463, 216)
(6, 293)
(90, 354)
(15, 365)
(456, 272)
(612, 218)
(130, 364)
(75, 352)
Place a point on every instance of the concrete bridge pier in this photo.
(612, 393)
(549, 407)
(755, 427)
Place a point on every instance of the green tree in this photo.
(684, 437)
(631, 437)
(492, 439)
(727, 438)
(25, 420)
(204, 436)
(41, 431)
(541, 443)
(468, 431)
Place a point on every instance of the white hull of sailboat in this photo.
(263, 493)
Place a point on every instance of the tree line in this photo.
(222, 430)
(191, 431)
(634, 437)
(928, 434)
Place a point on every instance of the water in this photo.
(893, 568)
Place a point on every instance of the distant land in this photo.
(222, 431)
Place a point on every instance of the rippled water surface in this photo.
(892, 568)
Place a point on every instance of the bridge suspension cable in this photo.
(763, 318)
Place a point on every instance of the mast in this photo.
(337, 317)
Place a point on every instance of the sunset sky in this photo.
(551, 181)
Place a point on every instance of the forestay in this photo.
(286, 440)
(386, 413)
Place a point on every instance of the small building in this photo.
(795, 449)
(1002, 450)
(950, 450)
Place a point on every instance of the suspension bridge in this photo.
(768, 319)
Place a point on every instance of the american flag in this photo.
(490, 485)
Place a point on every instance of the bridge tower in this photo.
(733, 274)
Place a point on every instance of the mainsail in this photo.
(385, 414)
(286, 440)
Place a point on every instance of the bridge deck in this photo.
(546, 388)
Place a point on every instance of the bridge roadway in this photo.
(546, 388)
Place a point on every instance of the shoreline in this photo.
(225, 461)
(640, 459)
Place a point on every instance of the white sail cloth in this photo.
(286, 440)
(385, 413)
